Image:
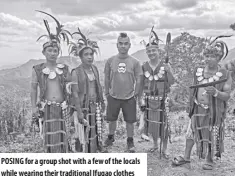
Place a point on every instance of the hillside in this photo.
(20, 76)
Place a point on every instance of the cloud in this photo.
(86, 7)
(4, 45)
(204, 21)
(8, 21)
(179, 4)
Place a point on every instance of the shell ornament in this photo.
(51, 73)
(99, 122)
(213, 78)
(156, 76)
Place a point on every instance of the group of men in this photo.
(78, 95)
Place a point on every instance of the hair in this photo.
(83, 49)
(123, 35)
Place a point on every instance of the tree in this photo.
(232, 26)
(185, 54)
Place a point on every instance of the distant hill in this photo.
(20, 76)
(142, 56)
(8, 66)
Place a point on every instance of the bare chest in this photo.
(54, 90)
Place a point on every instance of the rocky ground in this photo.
(156, 166)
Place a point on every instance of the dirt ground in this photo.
(163, 167)
(156, 166)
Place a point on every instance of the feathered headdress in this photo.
(82, 43)
(153, 39)
(218, 49)
(54, 39)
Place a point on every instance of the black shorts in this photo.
(128, 109)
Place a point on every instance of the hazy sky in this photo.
(20, 25)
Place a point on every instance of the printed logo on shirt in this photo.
(121, 67)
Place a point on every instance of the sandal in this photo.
(145, 137)
(178, 161)
(152, 150)
(166, 156)
(207, 166)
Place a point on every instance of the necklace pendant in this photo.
(59, 71)
(52, 75)
(216, 78)
(150, 78)
(204, 81)
(156, 77)
(200, 78)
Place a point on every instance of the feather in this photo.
(47, 27)
(220, 36)
(59, 29)
(42, 37)
(65, 36)
(82, 35)
(156, 37)
(67, 32)
(57, 22)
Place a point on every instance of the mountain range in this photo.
(19, 77)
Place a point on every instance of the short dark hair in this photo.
(123, 35)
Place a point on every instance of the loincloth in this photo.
(90, 137)
(203, 133)
(55, 126)
(154, 117)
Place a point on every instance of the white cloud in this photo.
(179, 4)
(20, 25)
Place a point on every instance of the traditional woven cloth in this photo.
(204, 134)
(55, 123)
(154, 115)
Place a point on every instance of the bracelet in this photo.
(216, 93)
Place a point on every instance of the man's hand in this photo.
(80, 117)
(107, 95)
(167, 67)
(103, 106)
(35, 112)
(210, 90)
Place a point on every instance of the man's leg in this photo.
(188, 148)
(144, 135)
(155, 143)
(130, 129)
(129, 113)
(113, 109)
(130, 135)
(164, 146)
(112, 127)
(209, 159)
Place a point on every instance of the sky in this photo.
(21, 25)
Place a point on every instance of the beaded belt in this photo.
(48, 102)
(154, 97)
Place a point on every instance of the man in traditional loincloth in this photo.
(155, 71)
(207, 107)
(122, 83)
(51, 78)
(87, 90)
